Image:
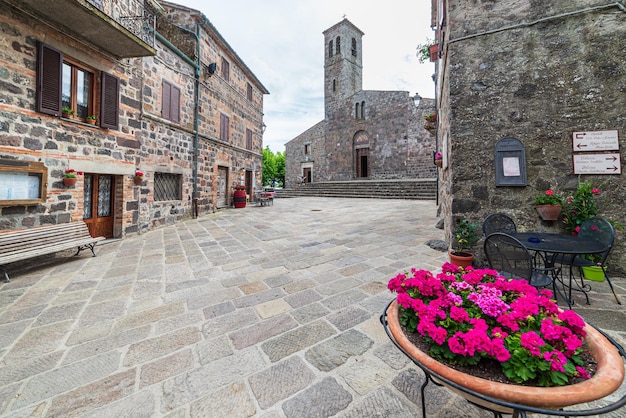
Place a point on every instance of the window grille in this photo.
(167, 186)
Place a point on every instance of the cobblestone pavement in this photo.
(264, 311)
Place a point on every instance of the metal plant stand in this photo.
(519, 411)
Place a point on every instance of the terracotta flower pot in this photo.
(439, 163)
(549, 212)
(461, 259)
(137, 180)
(607, 379)
(69, 181)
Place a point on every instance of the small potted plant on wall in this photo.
(138, 177)
(91, 119)
(70, 177)
(549, 205)
(464, 237)
(438, 159)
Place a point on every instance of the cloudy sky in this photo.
(281, 41)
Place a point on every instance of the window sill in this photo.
(79, 122)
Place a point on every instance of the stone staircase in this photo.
(415, 189)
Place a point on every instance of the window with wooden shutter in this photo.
(248, 139)
(249, 91)
(225, 69)
(110, 102)
(49, 76)
(224, 122)
(170, 103)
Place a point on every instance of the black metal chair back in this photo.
(498, 222)
(601, 230)
(510, 258)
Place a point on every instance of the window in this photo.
(357, 111)
(62, 81)
(249, 91)
(363, 109)
(353, 47)
(170, 102)
(248, 139)
(167, 186)
(225, 69)
(22, 182)
(330, 49)
(307, 149)
(77, 90)
(338, 45)
(334, 85)
(224, 123)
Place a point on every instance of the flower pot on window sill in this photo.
(137, 180)
(549, 212)
(439, 163)
(69, 181)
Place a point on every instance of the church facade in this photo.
(365, 134)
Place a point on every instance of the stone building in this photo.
(536, 72)
(172, 100)
(365, 134)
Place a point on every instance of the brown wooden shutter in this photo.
(49, 78)
(166, 100)
(175, 105)
(224, 121)
(110, 102)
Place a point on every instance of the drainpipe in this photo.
(196, 66)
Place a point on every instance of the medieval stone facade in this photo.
(365, 134)
(536, 72)
(184, 110)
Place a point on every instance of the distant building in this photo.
(365, 134)
(171, 98)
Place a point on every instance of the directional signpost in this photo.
(586, 158)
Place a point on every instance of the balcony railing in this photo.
(132, 15)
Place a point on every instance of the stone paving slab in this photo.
(268, 312)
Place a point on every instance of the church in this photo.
(365, 134)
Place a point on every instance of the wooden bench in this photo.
(34, 242)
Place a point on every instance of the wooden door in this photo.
(362, 162)
(306, 173)
(222, 193)
(99, 193)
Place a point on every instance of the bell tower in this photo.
(343, 67)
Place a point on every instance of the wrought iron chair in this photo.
(498, 222)
(601, 230)
(510, 258)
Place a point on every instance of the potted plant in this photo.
(91, 119)
(438, 159)
(549, 205)
(460, 322)
(138, 177)
(67, 112)
(70, 176)
(465, 237)
(580, 206)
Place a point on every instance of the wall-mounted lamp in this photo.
(263, 128)
(416, 99)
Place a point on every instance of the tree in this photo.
(273, 167)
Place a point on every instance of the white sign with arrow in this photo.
(610, 163)
(595, 141)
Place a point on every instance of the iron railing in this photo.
(132, 15)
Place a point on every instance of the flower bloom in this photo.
(470, 314)
(549, 192)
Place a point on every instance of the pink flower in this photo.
(595, 191)
(532, 342)
(549, 192)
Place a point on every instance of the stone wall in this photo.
(535, 82)
(145, 140)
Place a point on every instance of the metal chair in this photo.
(510, 258)
(601, 230)
(498, 222)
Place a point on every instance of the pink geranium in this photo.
(474, 314)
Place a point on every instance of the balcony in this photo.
(123, 28)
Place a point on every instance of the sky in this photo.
(281, 41)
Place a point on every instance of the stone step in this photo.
(422, 189)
